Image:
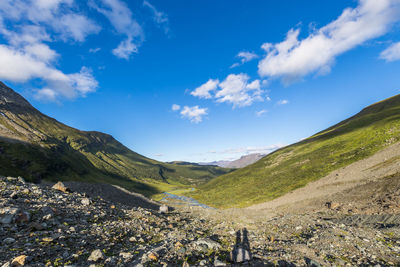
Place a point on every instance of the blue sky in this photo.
(201, 80)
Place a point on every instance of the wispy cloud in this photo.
(194, 114)
(392, 53)
(282, 102)
(175, 107)
(159, 17)
(244, 57)
(293, 59)
(94, 50)
(261, 112)
(120, 16)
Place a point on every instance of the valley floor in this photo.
(349, 218)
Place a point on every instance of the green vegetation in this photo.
(37, 147)
(289, 168)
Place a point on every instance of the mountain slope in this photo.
(38, 147)
(291, 167)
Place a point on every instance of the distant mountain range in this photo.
(239, 163)
(37, 147)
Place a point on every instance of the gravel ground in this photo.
(41, 226)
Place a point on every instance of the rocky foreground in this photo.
(45, 226)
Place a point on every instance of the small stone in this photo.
(23, 217)
(218, 263)
(34, 226)
(185, 264)
(7, 215)
(47, 239)
(85, 201)
(96, 255)
(60, 187)
(132, 239)
(14, 195)
(164, 209)
(19, 261)
(153, 257)
(207, 242)
(126, 255)
(8, 240)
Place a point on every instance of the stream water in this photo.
(173, 199)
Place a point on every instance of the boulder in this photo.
(164, 209)
(96, 255)
(60, 187)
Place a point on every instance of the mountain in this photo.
(37, 147)
(374, 128)
(236, 164)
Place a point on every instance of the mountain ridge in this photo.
(37, 147)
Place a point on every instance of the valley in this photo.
(340, 186)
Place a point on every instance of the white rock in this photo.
(163, 209)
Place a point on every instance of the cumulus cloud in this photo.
(28, 27)
(236, 89)
(159, 17)
(194, 114)
(120, 16)
(293, 59)
(282, 102)
(392, 53)
(175, 107)
(204, 90)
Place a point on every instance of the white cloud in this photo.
(19, 66)
(94, 50)
(28, 27)
(76, 27)
(125, 49)
(282, 102)
(204, 90)
(245, 57)
(175, 107)
(293, 59)
(58, 15)
(392, 53)
(120, 16)
(159, 17)
(194, 114)
(237, 90)
(261, 112)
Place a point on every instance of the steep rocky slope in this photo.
(38, 147)
(294, 166)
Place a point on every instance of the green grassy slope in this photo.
(291, 167)
(38, 147)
